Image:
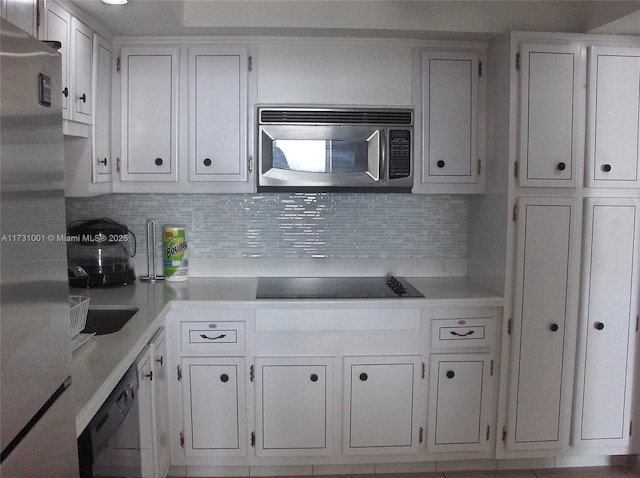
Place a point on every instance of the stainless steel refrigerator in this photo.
(37, 422)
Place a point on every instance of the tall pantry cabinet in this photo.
(608, 333)
(564, 162)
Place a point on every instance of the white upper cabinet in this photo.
(77, 67)
(550, 115)
(21, 13)
(57, 28)
(149, 134)
(184, 119)
(450, 83)
(329, 72)
(81, 72)
(218, 114)
(102, 160)
(613, 141)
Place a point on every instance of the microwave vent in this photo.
(350, 117)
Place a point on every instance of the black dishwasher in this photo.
(110, 445)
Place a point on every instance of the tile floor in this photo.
(600, 472)
(604, 472)
(593, 472)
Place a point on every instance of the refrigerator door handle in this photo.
(34, 420)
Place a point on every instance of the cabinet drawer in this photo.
(212, 335)
(475, 332)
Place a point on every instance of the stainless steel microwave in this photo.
(343, 149)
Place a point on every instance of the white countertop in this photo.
(99, 364)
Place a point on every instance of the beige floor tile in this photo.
(490, 474)
(593, 472)
(428, 474)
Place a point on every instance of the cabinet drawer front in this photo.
(461, 333)
(225, 336)
(212, 335)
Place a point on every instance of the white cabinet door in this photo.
(550, 115)
(218, 114)
(381, 399)
(57, 27)
(158, 349)
(146, 415)
(458, 401)
(294, 405)
(77, 70)
(81, 72)
(21, 13)
(450, 117)
(540, 382)
(102, 159)
(214, 405)
(613, 143)
(149, 78)
(606, 364)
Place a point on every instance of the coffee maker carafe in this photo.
(99, 252)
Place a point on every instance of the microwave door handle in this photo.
(377, 155)
(382, 160)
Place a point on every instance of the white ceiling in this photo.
(446, 19)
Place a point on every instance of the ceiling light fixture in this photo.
(115, 2)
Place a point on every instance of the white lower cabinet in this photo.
(381, 403)
(541, 368)
(294, 397)
(139, 446)
(145, 415)
(160, 409)
(302, 386)
(461, 386)
(605, 385)
(213, 397)
(152, 409)
(208, 393)
(459, 398)
(547, 379)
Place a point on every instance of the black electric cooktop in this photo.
(335, 288)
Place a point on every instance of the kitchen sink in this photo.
(107, 320)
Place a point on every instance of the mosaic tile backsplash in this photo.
(301, 225)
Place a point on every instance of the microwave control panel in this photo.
(399, 153)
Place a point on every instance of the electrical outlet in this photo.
(197, 221)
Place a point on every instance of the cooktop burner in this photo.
(335, 288)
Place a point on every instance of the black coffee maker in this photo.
(99, 252)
